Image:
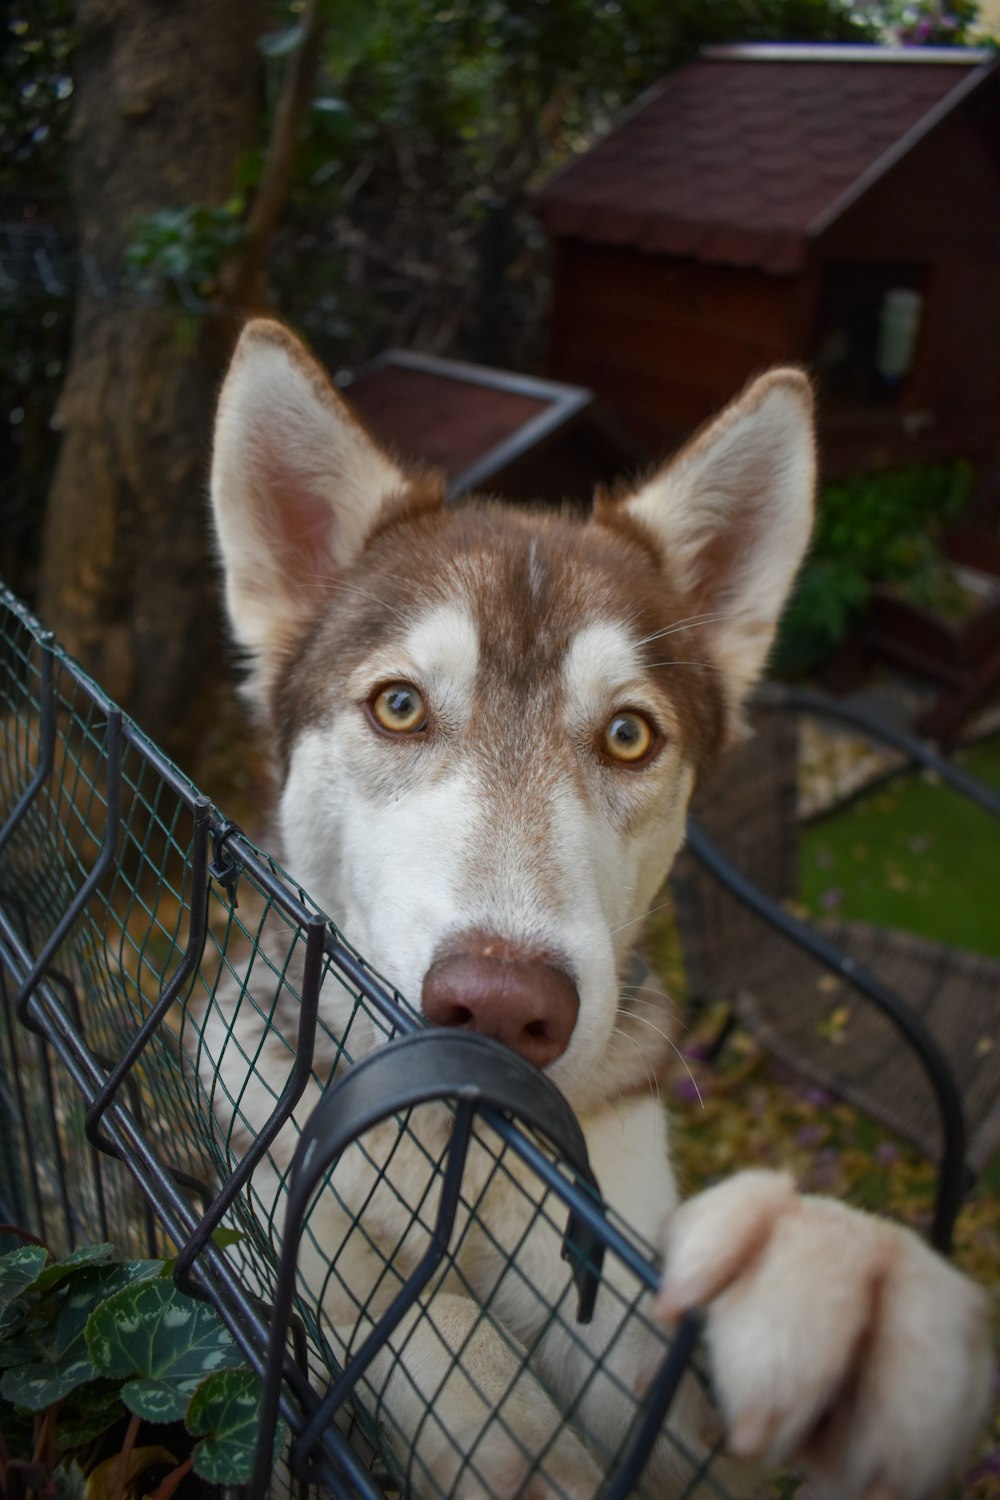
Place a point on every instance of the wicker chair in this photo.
(904, 1028)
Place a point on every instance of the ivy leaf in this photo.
(224, 1413)
(19, 1269)
(85, 1258)
(57, 1362)
(162, 1343)
(92, 1410)
(22, 1349)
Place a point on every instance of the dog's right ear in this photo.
(297, 487)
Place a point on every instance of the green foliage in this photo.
(37, 42)
(87, 1340)
(160, 1344)
(184, 246)
(224, 1413)
(873, 529)
(434, 123)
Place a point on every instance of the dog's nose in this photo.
(522, 1002)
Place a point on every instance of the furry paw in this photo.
(493, 1464)
(837, 1341)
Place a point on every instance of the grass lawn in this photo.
(912, 854)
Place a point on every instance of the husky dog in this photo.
(487, 724)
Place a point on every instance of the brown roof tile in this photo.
(739, 156)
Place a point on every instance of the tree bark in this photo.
(167, 100)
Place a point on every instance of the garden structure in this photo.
(490, 430)
(834, 205)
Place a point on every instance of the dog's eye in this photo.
(628, 738)
(399, 708)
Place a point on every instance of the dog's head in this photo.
(488, 721)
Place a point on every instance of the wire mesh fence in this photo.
(426, 1277)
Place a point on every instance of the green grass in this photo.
(912, 855)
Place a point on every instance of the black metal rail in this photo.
(78, 1025)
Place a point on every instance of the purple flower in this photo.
(886, 1153)
(686, 1089)
(810, 1136)
(987, 1466)
(831, 898)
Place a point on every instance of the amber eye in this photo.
(628, 738)
(399, 708)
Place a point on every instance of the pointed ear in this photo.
(732, 514)
(297, 487)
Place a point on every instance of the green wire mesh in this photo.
(221, 1003)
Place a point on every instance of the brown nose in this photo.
(528, 1005)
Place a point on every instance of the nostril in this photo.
(448, 1014)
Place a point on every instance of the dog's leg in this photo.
(837, 1341)
(466, 1415)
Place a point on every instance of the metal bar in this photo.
(186, 969)
(800, 700)
(105, 857)
(290, 1095)
(340, 1389)
(951, 1181)
(46, 737)
(658, 1400)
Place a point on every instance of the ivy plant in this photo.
(871, 530)
(114, 1381)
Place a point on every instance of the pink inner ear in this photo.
(303, 525)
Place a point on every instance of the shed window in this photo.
(869, 330)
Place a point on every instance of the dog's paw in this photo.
(837, 1341)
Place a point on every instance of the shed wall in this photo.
(663, 342)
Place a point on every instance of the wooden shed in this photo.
(837, 206)
(490, 430)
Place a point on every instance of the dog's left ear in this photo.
(732, 514)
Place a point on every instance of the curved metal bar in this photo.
(46, 736)
(103, 862)
(778, 697)
(951, 1182)
(477, 1075)
(186, 969)
(290, 1095)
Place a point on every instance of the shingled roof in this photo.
(743, 155)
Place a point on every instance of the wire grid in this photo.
(170, 996)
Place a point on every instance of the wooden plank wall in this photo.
(663, 342)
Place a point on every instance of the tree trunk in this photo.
(167, 100)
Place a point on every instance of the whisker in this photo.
(674, 1048)
(711, 665)
(690, 623)
(346, 588)
(641, 917)
(650, 1072)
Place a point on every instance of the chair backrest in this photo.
(748, 807)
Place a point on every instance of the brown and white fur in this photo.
(492, 853)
